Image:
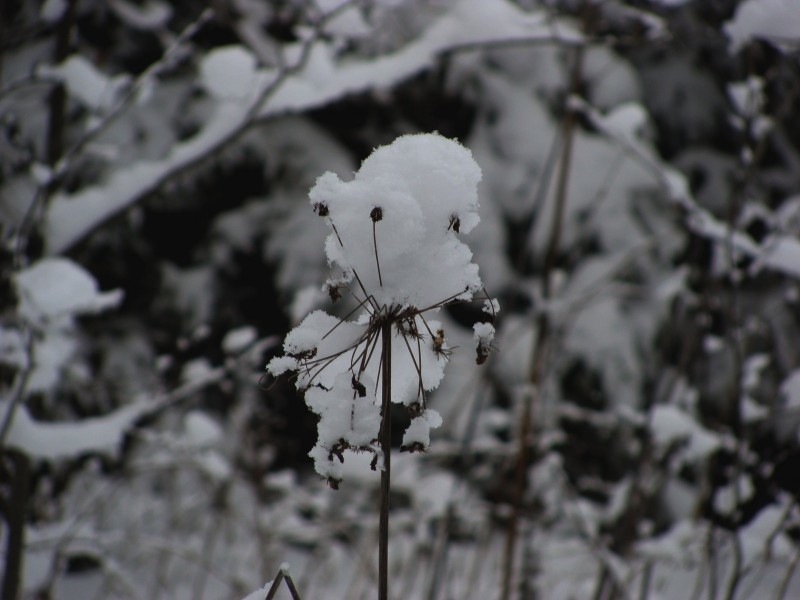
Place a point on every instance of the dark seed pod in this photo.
(413, 447)
(483, 353)
(376, 214)
(455, 223)
(321, 209)
(358, 387)
(304, 355)
(334, 291)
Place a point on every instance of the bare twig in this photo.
(283, 575)
(386, 449)
(542, 341)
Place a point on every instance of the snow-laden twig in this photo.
(314, 79)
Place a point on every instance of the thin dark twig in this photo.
(440, 304)
(377, 260)
(386, 448)
(344, 319)
(541, 343)
(282, 576)
(363, 356)
(781, 594)
(417, 367)
(368, 357)
(292, 589)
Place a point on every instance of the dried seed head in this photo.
(304, 355)
(439, 347)
(483, 353)
(438, 340)
(455, 223)
(358, 387)
(338, 450)
(413, 447)
(334, 291)
(414, 410)
(321, 209)
(376, 214)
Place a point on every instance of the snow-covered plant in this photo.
(394, 243)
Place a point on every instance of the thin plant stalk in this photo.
(540, 348)
(386, 449)
(282, 576)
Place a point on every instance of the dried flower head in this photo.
(401, 265)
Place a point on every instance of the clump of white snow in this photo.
(395, 245)
(237, 340)
(53, 290)
(402, 214)
(774, 20)
(86, 83)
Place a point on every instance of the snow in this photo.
(346, 417)
(491, 306)
(201, 430)
(411, 199)
(12, 348)
(349, 23)
(52, 10)
(237, 340)
(86, 83)
(197, 371)
(229, 72)
(672, 425)
(71, 216)
(260, 593)
(419, 430)
(147, 15)
(56, 441)
(790, 390)
(484, 332)
(774, 20)
(51, 355)
(53, 290)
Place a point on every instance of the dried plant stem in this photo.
(282, 576)
(377, 260)
(539, 353)
(16, 466)
(386, 449)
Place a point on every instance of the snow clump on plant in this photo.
(395, 246)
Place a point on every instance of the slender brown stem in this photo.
(386, 448)
(539, 352)
(277, 583)
(377, 260)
